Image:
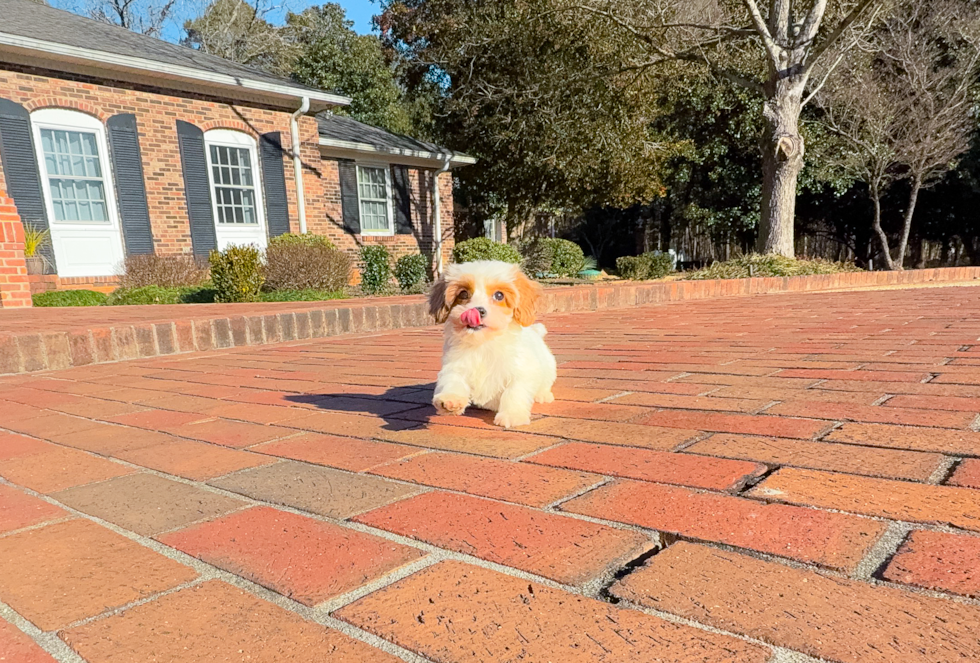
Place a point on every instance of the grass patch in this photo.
(755, 265)
(308, 295)
(155, 294)
(69, 298)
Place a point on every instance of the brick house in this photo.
(123, 144)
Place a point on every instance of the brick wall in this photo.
(156, 113)
(15, 290)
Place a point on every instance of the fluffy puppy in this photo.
(494, 356)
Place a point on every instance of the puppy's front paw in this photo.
(545, 397)
(449, 404)
(512, 419)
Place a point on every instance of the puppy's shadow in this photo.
(400, 407)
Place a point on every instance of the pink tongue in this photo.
(470, 317)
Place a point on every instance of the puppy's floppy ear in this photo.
(528, 292)
(438, 306)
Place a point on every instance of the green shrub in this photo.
(163, 271)
(633, 268)
(652, 265)
(307, 295)
(303, 239)
(154, 294)
(659, 264)
(236, 274)
(305, 265)
(484, 248)
(412, 272)
(69, 298)
(536, 256)
(755, 264)
(376, 273)
(567, 258)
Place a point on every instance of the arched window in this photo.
(76, 179)
(236, 193)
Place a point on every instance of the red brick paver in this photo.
(557, 547)
(749, 465)
(936, 560)
(459, 613)
(304, 559)
(215, 623)
(829, 539)
(834, 618)
(17, 647)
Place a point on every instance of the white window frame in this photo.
(386, 169)
(64, 119)
(232, 138)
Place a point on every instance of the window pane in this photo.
(234, 187)
(74, 169)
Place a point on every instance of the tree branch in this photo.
(826, 76)
(760, 27)
(811, 24)
(832, 38)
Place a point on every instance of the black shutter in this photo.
(20, 169)
(127, 166)
(402, 197)
(197, 188)
(274, 177)
(348, 196)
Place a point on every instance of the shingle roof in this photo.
(347, 130)
(32, 20)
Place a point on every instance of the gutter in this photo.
(436, 216)
(298, 162)
(455, 159)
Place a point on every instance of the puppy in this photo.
(494, 356)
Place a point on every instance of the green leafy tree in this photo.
(539, 96)
(334, 57)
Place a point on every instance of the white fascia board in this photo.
(386, 153)
(164, 70)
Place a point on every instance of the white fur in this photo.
(505, 367)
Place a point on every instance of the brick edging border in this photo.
(31, 352)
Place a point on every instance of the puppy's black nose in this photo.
(482, 311)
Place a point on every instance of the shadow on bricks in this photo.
(395, 406)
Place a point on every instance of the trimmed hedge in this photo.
(652, 265)
(69, 298)
(484, 248)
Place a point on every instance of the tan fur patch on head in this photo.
(507, 289)
(528, 292)
(447, 294)
(438, 308)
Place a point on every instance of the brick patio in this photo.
(765, 478)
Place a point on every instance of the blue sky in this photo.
(359, 11)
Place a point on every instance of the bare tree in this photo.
(780, 41)
(239, 30)
(148, 17)
(903, 104)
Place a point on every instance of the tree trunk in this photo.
(922, 254)
(907, 222)
(782, 161)
(876, 224)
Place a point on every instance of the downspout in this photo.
(298, 163)
(436, 218)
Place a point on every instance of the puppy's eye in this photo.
(498, 296)
(463, 295)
